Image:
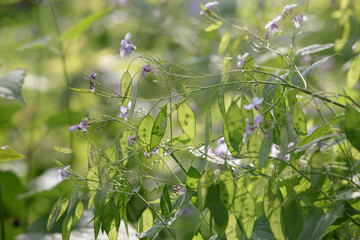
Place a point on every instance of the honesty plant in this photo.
(245, 168)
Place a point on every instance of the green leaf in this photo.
(57, 211)
(235, 124)
(66, 227)
(8, 154)
(313, 49)
(64, 150)
(297, 115)
(317, 223)
(192, 178)
(145, 221)
(265, 150)
(244, 210)
(224, 43)
(144, 130)
(180, 88)
(158, 129)
(279, 109)
(182, 138)
(111, 220)
(11, 85)
(272, 210)
(126, 87)
(165, 202)
(214, 26)
(80, 90)
(232, 230)
(217, 209)
(291, 216)
(320, 131)
(306, 73)
(205, 182)
(221, 102)
(316, 163)
(186, 118)
(73, 198)
(353, 73)
(83, 25)
(227, 141)
(227, 188)
(352, 126)
(208, 129)
(78, 212)
(92, 179)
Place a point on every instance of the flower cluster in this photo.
(124, 111)
(132, 140)
(126, 46)
(210, 6)
(298, 19)
(146, 69)
(178, 189)
(82, 126)
(255, 102)
(155, 151)
(63, 173)
(91, 79)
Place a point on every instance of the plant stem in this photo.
(2, 218)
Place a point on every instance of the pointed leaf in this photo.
(265, 150)
(217, 209)
(291, 216)
(8, 154)
(353, 73)
(205, 181)
(313, 49)
(144, 130)
(227, 188)
(224, 43)
(165, 202)
(186, 118)
(145, 221)
(111, 220)
(235, 124)
(214, 26)
(306, 73)
(298, 116)
(158, 129)
(192, 178)
(126, 87)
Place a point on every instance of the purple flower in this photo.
(288, 8)
(249, 129)
(298, 19)
(178, 189)
(152, 152)
(63, 173)
(275, 151)
(145, 69)
(126, 46)
(91, 79)
(241, 59)
(132, 140)
(82, 126)
(255, 102)
(209, 6)
(273, 24)
(124, 111)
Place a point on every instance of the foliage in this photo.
(225, 128)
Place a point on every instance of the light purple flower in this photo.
(124, 111)
(249, 129)
(63, 173)
(126, 46)
(275, 151)
(255, 102)
(273, 24)
(155, 151)
(221, 148)
(288, 8)
(91, 79)
(132, 140)
(298, 19)
(82, 126)
(145, 69)
(209, 6)
(178, 189)
(241, 59)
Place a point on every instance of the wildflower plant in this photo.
(254, 172)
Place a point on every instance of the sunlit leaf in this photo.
(214, 26)
(221, 102)
(227, 188)
(158, 129)
(297, 115)
(352, 126)
(144, 130)
(354, 72)
(126, 87)
(80, 90)
(208, 129)
(306, 73)
(65, 150)
(57, 211)
(145, 221)
(232, 230)
(235, 124)
(11, 85)
(279, 109)
(186, 118)
(203, 186)
(244, 209)
(8, 154)
(224, 43)
(192, 178)
(111, 220)
(81, 26)
(265, 150)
